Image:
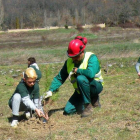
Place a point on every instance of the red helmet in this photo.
(76, 46)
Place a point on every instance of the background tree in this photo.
(43, 13)
(1, 13)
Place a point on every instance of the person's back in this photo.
(38, 72)
(32, 63)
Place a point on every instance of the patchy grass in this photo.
(118, 118)
(88, 35)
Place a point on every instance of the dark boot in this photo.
(87, 111)
(95, 102)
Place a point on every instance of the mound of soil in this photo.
(33, 123)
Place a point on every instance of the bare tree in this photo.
(42, 13)
(77, 16)
(1, 14)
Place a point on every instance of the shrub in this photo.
(66, 26)
(127, 25)
(95, 29)
(80, 28)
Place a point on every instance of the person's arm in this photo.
(39, 109)
(92, 69)
(137, 68)
(25, 97)
(34, 106)
(36, 97)
(23, 91)
(28, 102)
(36, 102)
(60, 78)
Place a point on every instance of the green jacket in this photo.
(139, 60)
(24, 91)
(38, 72)
(92, 68)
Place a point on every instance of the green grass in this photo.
(114, 48)
(70, 30)
(59, 31)
(118, 118)
(88, 35)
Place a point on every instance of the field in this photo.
(119, 116)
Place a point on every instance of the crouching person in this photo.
(26, 97)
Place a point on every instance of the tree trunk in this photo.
(45, 18)
(1, 14)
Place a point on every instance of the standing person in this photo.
(83, 70)
(26, 97)
(137, 66)
(32, 63)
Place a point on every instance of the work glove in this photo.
(47, 94)
(46, 98)
(71, 73)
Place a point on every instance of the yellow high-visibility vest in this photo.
(70, 65)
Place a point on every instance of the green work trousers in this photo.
(88, 89)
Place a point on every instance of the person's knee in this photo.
(81, 78)
(16, 97)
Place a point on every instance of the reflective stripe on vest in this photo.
(70, 66)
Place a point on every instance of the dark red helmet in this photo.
(76, 46)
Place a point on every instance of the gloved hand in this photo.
(70, 74)
(47, 94)
(46, 98)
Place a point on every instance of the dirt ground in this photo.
(36, 124)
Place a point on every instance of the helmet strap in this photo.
(81, 47)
